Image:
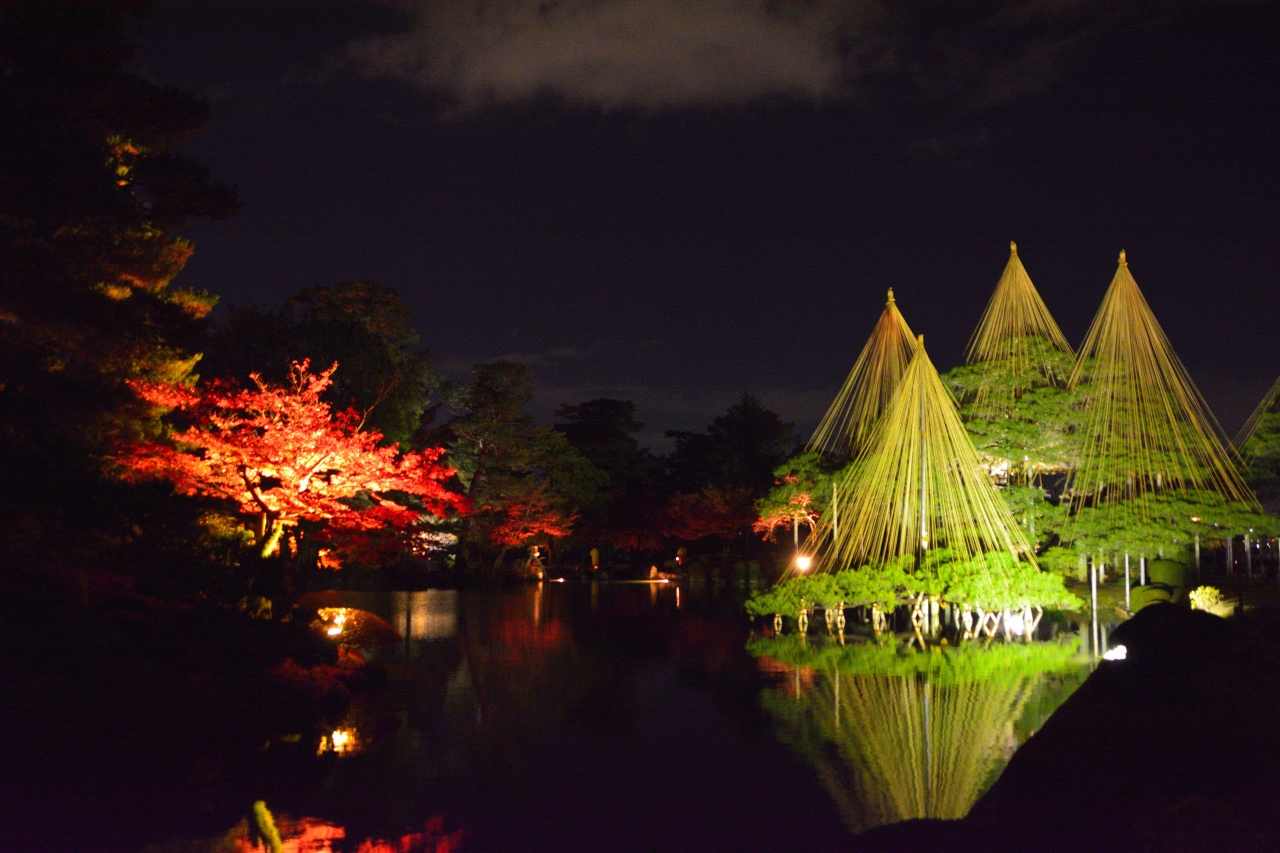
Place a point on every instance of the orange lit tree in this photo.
(280, 453)
(529, 517)
(713, 511)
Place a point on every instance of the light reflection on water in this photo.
(419, 616)
(311, 835)
(641, 717)
(896, 734)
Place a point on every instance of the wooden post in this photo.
(1231, 560)
(1197, 556)
(1093, 607)
(1127, 606)
(835, 512)
(1248, 558)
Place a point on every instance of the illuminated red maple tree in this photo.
(798, 510)
(281, 453)
(711, 512)
(527, 517)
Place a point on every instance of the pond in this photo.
(639, 716)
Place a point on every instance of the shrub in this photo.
(1144, 596)
(1167, 572)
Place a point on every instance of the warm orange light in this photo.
(339, 620)
(803, 562)
(340, 742)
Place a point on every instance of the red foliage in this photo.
(310, 835)
(532, 516)
(710, 512)
(797, 510)
(432, 839)
(282, 452)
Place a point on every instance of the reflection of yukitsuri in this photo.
(893, 744)
(869, 386)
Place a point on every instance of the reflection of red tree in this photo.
(431, 840)
(310, 835)
(527, 644)
(710, 643)
(282, 453)
(770, 666)
(710, 512)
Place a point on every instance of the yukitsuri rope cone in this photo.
(869, 386)
(1266, 407)
(1149, 430)
(1015, 341)
(918, 484)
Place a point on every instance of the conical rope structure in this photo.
(869, 387)
(1148, 428)
(1015, 341)
(1266, 407)
(918, 484)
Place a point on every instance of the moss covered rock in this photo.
(1153, 593)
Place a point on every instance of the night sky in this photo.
(675, 202)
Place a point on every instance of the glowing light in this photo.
(339, 621)
(1195, 518)
(1118, 653)
(803, 562)
(1015, 623)
(340, 742)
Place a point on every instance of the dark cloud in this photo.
(659, 54)
(613, 54)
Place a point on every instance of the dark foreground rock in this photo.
(1177, 747)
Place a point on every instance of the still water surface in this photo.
(637, 717)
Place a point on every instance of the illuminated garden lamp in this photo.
(803, 562)
(339, 622)
(341, 742)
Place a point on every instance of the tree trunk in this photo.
(502, 555)
(271, 542)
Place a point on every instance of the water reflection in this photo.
(896, 734)
(420, 616)
(265, 831)
(430, 614)
(627, 716)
